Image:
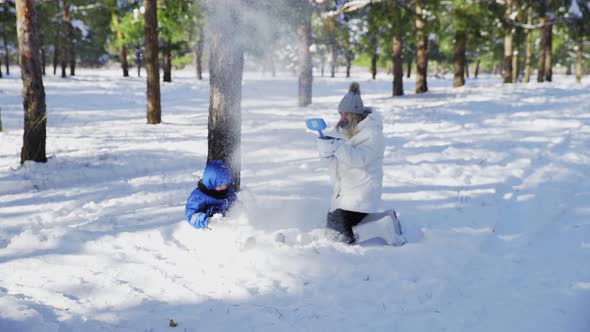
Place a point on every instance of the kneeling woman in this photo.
(356, 164)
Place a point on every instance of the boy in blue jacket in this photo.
(213, 195)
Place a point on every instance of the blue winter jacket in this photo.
(205, 201)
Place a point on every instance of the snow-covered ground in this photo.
(491, 180)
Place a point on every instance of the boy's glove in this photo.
(200, 220)
(214, 219)
(328, 145)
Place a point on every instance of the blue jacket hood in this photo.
(216, 174)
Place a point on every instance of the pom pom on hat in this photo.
(355, 88)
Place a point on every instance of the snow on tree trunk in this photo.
(33, 91)
(580, 59)
(226, 64)
(507, 75)
(459, 72)
(398, 67)
(422, 51)
(152, 66)
(305, 70)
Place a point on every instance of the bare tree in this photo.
(226, 64)
(33, 91)
(152, 66)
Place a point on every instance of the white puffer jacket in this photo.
(356, 172)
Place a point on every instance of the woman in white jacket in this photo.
(356, 165)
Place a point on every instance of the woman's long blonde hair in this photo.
(354, 122)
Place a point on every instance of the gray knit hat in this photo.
(352, 101)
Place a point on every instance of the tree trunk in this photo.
(529, 47)
(305, 66)
(0, 68)
(65, 37)
(332, 60)
(541, 70)
(33, 91)
(124, 63)
(515, 68)
(422, 51)
(72, 49)
(322, 62)
(349, 56)
(507, 75)
(55, 57)
(409, 67)
(459, 73)
(580, 59)
(548, 54)
(139, 61)
(199, 54)
(42, 57)
(226, 64)
(466, 69)
(122, 47)
(398, 67)
(152, 65)
(56, 45)
(167, 63)
(476, 68)
(6, 52)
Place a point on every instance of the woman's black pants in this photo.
(342, 221)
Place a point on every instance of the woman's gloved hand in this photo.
(328, 145)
